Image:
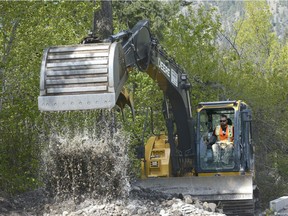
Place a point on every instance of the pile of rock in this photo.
(175, 207)
(138, 207)
(88, 175)
(139, 203)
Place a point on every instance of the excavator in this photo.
(91, 75)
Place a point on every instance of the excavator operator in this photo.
(222, 138)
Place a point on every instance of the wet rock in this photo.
(79, 212)
(177, 205)
(65, 213)
(125, 207)
(187, 209)
(205, 206)
(119, 208)
(188, 199)
(212, 207)
(198, 204)
(177, 212)
(219, 210)
(163, 213)
(169, 202)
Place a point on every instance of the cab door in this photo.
(247, 153)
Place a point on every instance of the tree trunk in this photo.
(103, 26)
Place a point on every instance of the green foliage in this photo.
(26, 28)
(191, 39)
(251, 66)
(254, 71)
(147, 98)
(255, 36)
(146, 93)
(198, 32)
(148, 119)
(127, 13)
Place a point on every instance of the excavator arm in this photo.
(92, 75)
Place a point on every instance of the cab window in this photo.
(209, 119)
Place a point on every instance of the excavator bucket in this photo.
(81, 77)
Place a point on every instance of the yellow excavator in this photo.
(92, 76)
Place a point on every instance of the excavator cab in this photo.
(239, 160)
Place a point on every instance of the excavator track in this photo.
(237, 207)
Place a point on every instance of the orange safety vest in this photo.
(228, 135)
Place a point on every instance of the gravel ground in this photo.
(89, 174)
(139, 202)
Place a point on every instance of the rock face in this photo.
(232, 11)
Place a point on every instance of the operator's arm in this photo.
(212, 139)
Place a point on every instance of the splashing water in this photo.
(88, 164)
